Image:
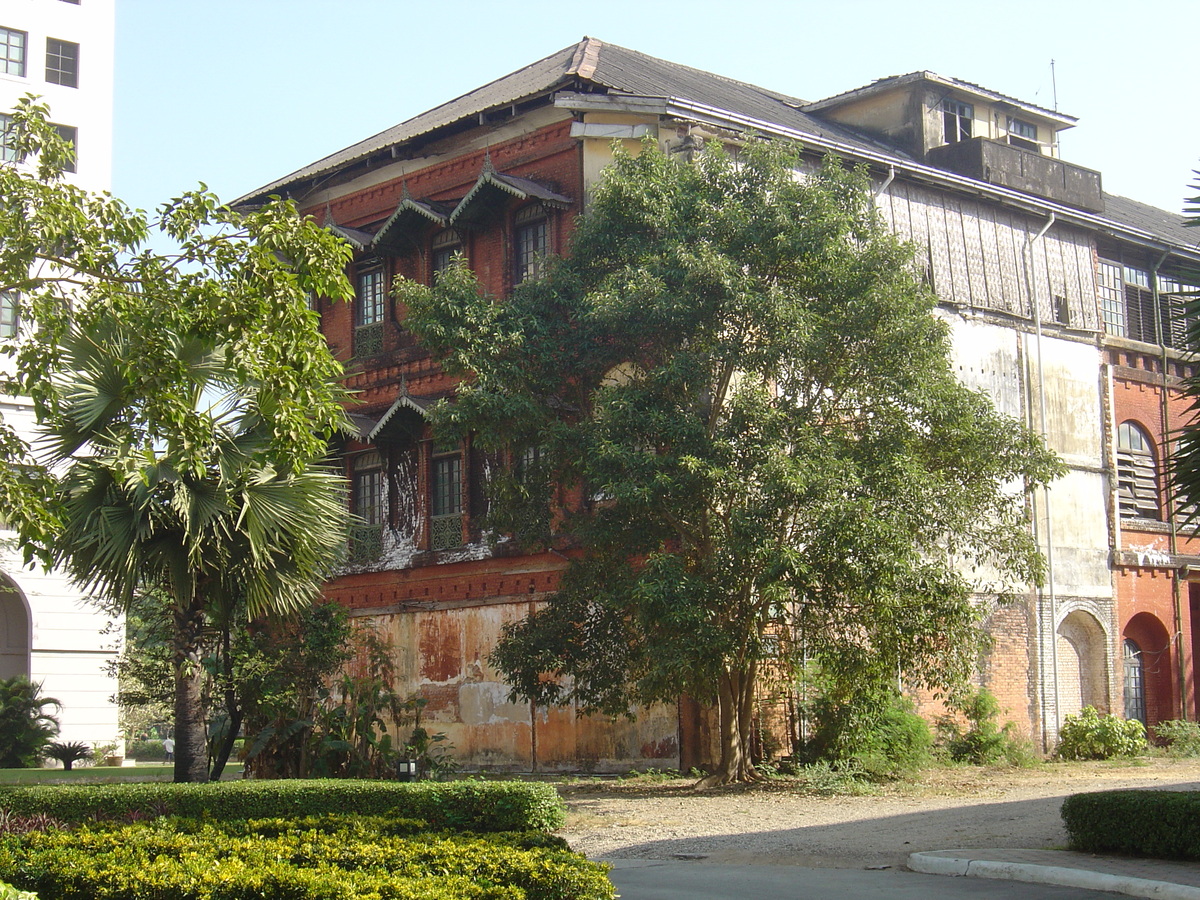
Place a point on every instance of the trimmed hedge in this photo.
(1161, 824)
(480, 806)
(153, 860)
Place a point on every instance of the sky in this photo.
(236, 93)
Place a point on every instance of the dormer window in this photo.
(1022, 134)
(956, 120)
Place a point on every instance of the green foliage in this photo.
(25, 725)
(326, 705)
(459, 805)
(146, 861)
(1090, 735)
(185, 400)
(984, 742)
(69, 753)
(742, 370)
(8, 892)
(1161, 824)
(1181, 737)
(1184, 464)
(875, 733)
(147, 751)
(827, 779)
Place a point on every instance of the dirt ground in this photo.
(781, 823)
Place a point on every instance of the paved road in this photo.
(663, 880)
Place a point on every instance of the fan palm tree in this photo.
(25, 725)
(205, 516)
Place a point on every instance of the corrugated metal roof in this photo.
(594, 66)
(607, 68)
(881, 84)
(1167, 227)
(530, 81)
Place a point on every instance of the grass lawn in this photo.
(102, 774)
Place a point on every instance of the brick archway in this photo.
(1082, 664)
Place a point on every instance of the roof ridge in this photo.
(765, 91)
(587, 55)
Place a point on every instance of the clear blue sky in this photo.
(236, 94)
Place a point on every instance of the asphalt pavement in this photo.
(979, 875)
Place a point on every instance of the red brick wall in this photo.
(1152, 607)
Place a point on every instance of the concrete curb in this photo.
(946, 862)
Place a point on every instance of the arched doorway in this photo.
(1153, 665)
(16, 630)
(1082, 664)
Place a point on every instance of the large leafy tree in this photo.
(185, 398)
(735, 401)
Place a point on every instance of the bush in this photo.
(984, 742)
(25, 726)
(1181, 737)
(147, 861)
(1090, 735)
(457, 805)
(878, 732)
(1162, 824)
(147, 751)
(8, 892)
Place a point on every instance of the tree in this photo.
(186, 398)
(739, 373)
(25, 726)
(1185, 462)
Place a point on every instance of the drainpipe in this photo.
(887, 182)
(1027, 263)
(1173, 531)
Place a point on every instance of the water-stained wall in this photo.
(441, 656)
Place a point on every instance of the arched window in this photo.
(1135, 683)
(1137, 478)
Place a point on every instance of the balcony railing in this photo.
(1022, 170)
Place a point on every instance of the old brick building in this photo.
(1059, 297)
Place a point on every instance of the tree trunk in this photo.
(232, 709)
(191, 748)
(735, 705)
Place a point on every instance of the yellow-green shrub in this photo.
(150, 861)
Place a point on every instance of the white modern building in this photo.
(62, 51)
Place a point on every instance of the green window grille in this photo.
(366, 544)
(368, 340)
(445, 520)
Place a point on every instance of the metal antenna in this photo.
(1054, 85)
